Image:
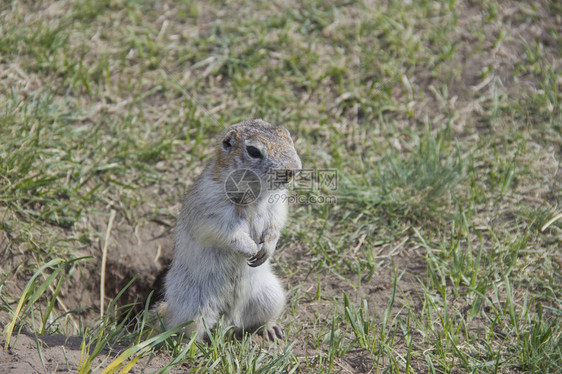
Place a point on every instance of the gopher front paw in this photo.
(259, 258)
(243, 244)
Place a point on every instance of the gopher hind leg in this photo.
(174, 315)
(265, 303)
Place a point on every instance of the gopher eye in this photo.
(253, 152)
(226, 144)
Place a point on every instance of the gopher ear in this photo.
(229, 139)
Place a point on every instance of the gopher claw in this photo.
(272, 332)
(259, 258)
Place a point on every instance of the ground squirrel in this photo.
(227, 230)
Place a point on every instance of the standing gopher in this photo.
(227, 230)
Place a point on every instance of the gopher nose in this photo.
(294, 165)
(293, 169)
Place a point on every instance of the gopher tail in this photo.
(157, 315)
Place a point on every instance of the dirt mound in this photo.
(57, 354)
(142, 253)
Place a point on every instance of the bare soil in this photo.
(32, 354)
(142, 254)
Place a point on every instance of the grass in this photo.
(439, 252)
